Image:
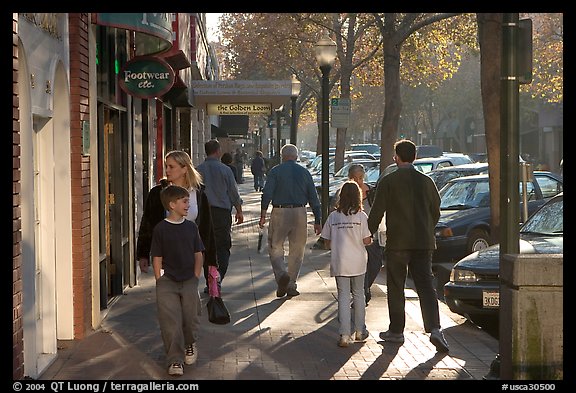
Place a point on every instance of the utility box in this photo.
(531, 317)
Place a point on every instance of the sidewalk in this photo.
(273, 338)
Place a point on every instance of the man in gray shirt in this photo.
(222, 193)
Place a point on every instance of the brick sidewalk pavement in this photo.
(273, 338)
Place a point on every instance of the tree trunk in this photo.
(392, 100)
(490, 41)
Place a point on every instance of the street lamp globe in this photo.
(295, 87)
(325, 51)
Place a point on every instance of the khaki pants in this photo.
(291, 224)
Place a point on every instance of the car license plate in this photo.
(490, 299)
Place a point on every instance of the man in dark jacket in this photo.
(257, 167)
(412, 205)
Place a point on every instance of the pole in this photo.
(325, 141)
(509, 140)
(278, 126)
(293, 130)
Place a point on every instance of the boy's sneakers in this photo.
(362, 336)
(392, 337)
(176, 369)
(191, 354)
(345, 340)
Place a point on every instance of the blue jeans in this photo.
(344, 284)
(420, 264)
(258, 182)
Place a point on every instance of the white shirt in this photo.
(193, 209)
(346, 234)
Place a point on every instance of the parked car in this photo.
(349, 156)
(443, 175)
(473, 289)
(464, 224)
(423, 151)
(370, 167)
(371, 148)
(428, 164)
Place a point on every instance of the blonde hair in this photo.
(354, 170)
(193, 178)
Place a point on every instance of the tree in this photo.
(395, 29)
(490, 41)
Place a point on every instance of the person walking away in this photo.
(227, 160)
(222, 193)
(411, 202)
(239, 164)
(177, 253)
(257, 167)
(180, 172)
(346, 233)
(289, 187)
(356, 173)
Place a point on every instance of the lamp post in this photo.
(294, 96)
(325, 56)
(278, 128)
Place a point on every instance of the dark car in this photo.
(464, 224)
(443, 175)
(474, 287)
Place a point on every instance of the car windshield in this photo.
(548, 220)
(424, 167)
(464, 195)
(443, 177)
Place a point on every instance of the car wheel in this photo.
(478, 240)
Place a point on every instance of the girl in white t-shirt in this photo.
(346, 233)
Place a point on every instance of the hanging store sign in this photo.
(153, 30)
(239, 109)
(146, 77)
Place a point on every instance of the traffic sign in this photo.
(340, 113)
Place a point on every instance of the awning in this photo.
(275, 92)
(217, 132)
(153, 30)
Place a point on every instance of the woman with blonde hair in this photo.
(180, 172)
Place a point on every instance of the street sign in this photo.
(340, 113)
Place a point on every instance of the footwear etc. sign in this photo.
(146, 77)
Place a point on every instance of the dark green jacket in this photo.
(412, 205)
(154, 212)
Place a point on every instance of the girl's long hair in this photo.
(350, 201)
(193, 178)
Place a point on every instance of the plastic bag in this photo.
(262, 238)
(382, 231)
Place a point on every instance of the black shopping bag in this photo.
(217, 311)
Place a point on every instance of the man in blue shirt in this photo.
(222, 193)
(289, 187)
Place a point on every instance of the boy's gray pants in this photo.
(179, 310)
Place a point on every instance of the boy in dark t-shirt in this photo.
(177, 250)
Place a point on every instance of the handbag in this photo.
(217, 311)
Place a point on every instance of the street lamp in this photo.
(294, 96)
(278, 134)
(325, 56)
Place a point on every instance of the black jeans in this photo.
(375, 259)
(222, 222)
(419, 263)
